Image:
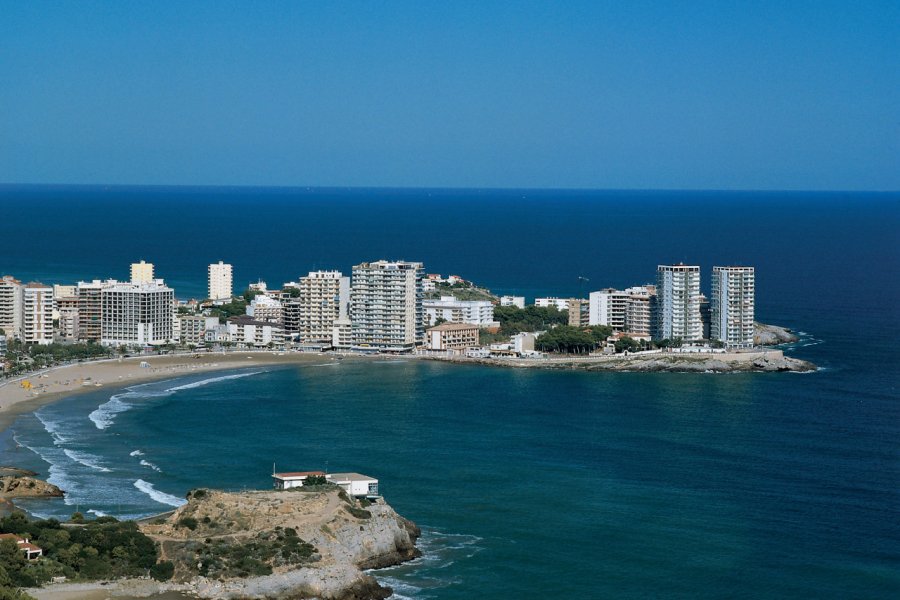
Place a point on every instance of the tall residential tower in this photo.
(220, 282)
(386, 306)
(732, 306)
(678, 303)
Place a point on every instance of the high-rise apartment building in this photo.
(639, 311)
(678, 303)
(732, 306)
(220, 282)
(89, 294)
(608, 307)
(386, 306)
(579, 312)
(136, 314)
(324, 298)
(141, 272)
(37, 314)
(11, 306)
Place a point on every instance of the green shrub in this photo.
(359, 513)
(189, 522)
(162, 571)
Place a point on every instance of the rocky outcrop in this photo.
(772, 335)
(27, 487)
(664, 362)
(343, 538)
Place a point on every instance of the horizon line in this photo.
(442, 188)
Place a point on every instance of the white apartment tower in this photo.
(37, 314)
(141, 272)
(732, 306)
(386, 306)
(11, 306)
(136, 314)
(324, 299)
(608, 307)
(678, 303)
(220, 282)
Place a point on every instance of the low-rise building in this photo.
(257, 334)
(265, 308)
(451, 310)
(355, 484)
(451, 336)
(31, 551)
(293, 479)
(517, 301)
(342, 334)
(193, 328)
(557, 303)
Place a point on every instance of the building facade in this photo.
(608, 307)
(324, 299)
(557, 303)
(678, 303)
(90, 308)
(249, 332)
(265, 308)
(139, 315)
(386, 306)
(517, 301)
(37, 314)
(220, 282)
(451, 310)
(451, 336)
(579, 312)
(639, 311)
(141, 272)
(11, 306)
(732, 306)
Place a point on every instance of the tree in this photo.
(627, 344)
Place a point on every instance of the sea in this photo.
(527, 484)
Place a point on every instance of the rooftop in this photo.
(453, 327)
(295, 474)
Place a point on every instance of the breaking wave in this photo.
(158, 496)
(88, 460)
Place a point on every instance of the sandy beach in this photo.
(52, 384)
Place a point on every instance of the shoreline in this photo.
(56, 383)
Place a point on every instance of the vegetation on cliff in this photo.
(100, 549)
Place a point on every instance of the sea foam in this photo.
(88, 460)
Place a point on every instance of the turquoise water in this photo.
(527, 484)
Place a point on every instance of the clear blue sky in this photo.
(694, 94)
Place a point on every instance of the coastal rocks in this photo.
(27, 487)
(342, 537)
(772, 335)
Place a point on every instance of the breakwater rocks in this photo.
(282, 544)
(660, 362)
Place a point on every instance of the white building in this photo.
(256, 334)
(11, 306)
(608, 307)
(451, 310)
(517, 301)
(386, 306)
(141, 272)
(136, 314)
(639, 311)
(557, 303)
(355, 484)
(732, 306)
(37, 314)
(342, 333)
(265, 308)
(678, 303)
(220, 282)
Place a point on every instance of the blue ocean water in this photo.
(527, 484)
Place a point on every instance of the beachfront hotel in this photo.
(136, 314)
(37, 314)
(220, 282)
(90, 308)
(678, 303)
(141, 272)
(732, 306)
(386, 306)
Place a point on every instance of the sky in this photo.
(609, 95)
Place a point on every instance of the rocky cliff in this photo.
(12, 486)
(282, 544)
(772, 335)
